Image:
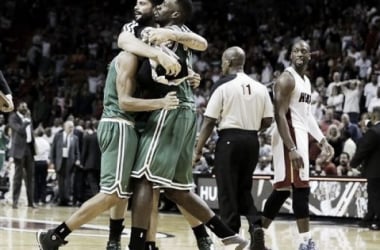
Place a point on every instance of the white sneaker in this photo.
(236, 239)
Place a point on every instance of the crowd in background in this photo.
(54, 55)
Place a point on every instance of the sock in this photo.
(138, 237)
(116, 228)
(219, 228)
(200, 231)
(62, 231)
(304, 237)
(150, 245)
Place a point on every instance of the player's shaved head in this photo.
(235, 55)
(233, 60)
(301, 43)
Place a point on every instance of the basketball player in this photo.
(294, 120)
(237, 148)
(118, 142)
(129, 42)
(8, 105)
(165, 150)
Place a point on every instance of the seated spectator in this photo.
(350, 127)
(335, 139)
(349, 146)
(344, 168)
(328, 120)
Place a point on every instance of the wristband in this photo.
(294, 148)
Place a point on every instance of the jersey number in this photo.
(246, 89)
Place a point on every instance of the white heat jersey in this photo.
(299, 106)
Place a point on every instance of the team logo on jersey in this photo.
(305, 97)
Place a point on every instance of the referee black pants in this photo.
(236, 156)
(373, 190)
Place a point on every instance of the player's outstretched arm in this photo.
(189, 39)
(128, 42)
(127, 65)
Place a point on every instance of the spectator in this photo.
(22, 152)
(90, 159)
(349, 146)
(333, 136)
(368, 156)
(328, 120)
(64, 155)
(351, 128)
(375, 102)
(370, 90)
(352, 95)
(334, 83)
(364, 65)
(335, 101)
(344, 169)
(41, 162)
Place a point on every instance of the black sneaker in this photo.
(257, 239)
(113, 245)
(49, 240)
(205, 243)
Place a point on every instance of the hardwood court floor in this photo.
(18, 227)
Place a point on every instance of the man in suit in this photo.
(91, 158)
(22, 152)
(368, 155)
(64, 155)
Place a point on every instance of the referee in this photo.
(241, 106)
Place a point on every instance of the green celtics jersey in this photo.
(185, 91)
(111, 107)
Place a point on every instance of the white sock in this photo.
(305, 237)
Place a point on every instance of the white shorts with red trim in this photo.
(284, 175)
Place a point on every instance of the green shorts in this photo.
(118, 144)
(166, 148)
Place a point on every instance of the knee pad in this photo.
(301, 202)
(274, 203)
